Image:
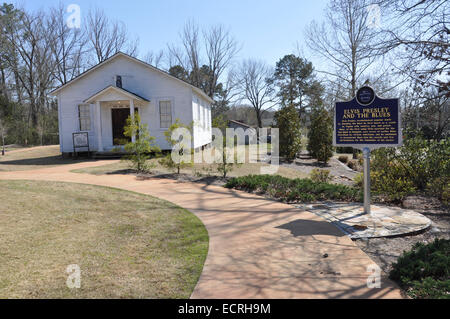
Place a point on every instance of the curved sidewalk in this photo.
(258, 248)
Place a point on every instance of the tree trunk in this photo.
(3, 138)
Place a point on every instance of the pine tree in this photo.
(288, 122)
(320, 135)
(296, 82)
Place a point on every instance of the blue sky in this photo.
(267, 29)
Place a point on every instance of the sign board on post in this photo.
(367, 122)
(80, 140)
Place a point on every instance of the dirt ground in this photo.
(341, 173)
(385, 251)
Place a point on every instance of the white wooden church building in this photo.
(99, 101)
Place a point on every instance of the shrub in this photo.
(418, 166)
(288, 121)
(224, 167)
(294, 190)
(320, 176)
(139, 151)
(352, 164)
(391, 190)
(359, 180)
(360, 159)
(320, 145)
(446, 195)
(168, 161)
(424, 271)
(228, 161)
(343, 159)
(344, 150)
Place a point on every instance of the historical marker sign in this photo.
(368, 121)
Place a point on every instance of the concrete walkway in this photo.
(258, 248)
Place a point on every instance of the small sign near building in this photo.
(80, 140)
(367, 122)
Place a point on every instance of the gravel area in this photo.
(340, 172)
(385, 251)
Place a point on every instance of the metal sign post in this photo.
(367, 122)
(366, 153)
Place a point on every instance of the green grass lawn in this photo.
(127, 245)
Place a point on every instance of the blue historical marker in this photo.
(367, 122)
(375, 124)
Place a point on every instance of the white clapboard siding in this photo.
(138, 78)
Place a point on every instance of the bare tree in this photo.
(345, 41)
(68, 46)
(33, 69)
(255, 86)
(154, 58)
(219, 48)
(189, 55)
(31, 42)
(107, 37)
(10, 23)
(228, 94)
(427, 110)
(419, 35)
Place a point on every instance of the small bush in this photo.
(294, 190)
(139, 151)
(429, 288)
(320, 176)
(344, 150)
(394, 190)
(419, 166)
(390, 190)
(343, 159)
(320, 135)
(446, 195)
(288, 122)
(424, 272)
(185, 158)
(360, 159)
(228, 161)
(352, 164)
